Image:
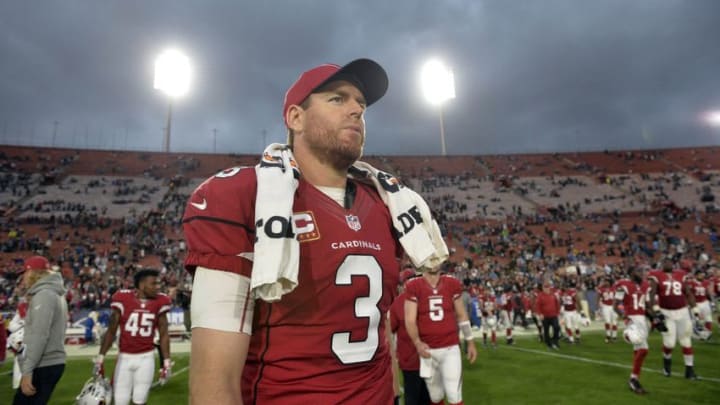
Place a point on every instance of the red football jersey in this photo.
(633, 297)
(567, 297)
(138, 319)
(325, 341)
(407, 354)
(489, 303)
(607, 295)
(670, 288)
(436, 319)
(716, 285)
(507, 300)
(699, 290)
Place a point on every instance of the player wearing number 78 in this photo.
(137, 313)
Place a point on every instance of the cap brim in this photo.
(370, 75)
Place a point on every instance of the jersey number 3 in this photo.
(346, 351)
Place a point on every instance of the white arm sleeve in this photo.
(222, 301)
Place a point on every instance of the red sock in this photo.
(687, 350)
(708, 326)
(667, 352)
(614, 327)
(577, 333)
(437, 403)
(607, 328)
(493, 337)
(457, 403)
(508, 332)
(569, 332)
(638, 359)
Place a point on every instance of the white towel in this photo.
(277, 252)
(418, 232)
(426, 367)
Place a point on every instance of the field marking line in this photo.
(601, 362)
(182, 370)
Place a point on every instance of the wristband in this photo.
(656, 308)
(465, 329)
(166, 363)
(100, 358)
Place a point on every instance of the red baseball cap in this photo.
(35, 263)
(369, 77)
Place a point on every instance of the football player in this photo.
(137, 313)
(415, 391)
(506, 311)
(606, 295)
(672, 290)
(489, 317)
(15, 340)
(434, 313)
(323, 342)
(631, 293)
(571, 318)
(701, 290)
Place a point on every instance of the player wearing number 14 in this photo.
(137, 313)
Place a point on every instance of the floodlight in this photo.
(172, 77)
(438, 82)
(712, 118)
(172, 73)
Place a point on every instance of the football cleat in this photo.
(667, 365)
(636, 387)
(690, 373)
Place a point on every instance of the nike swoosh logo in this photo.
(201, 206)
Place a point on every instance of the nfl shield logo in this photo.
(353, 222)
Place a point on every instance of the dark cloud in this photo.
(533, 76)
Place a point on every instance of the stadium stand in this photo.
(100, 215)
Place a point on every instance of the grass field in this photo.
(589, 373)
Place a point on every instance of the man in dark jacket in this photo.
(547, 308)
(42, 361)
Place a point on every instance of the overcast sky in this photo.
(531, 75)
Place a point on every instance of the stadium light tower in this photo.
(172, 77)
(438, 83)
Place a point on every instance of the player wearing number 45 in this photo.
(434, 316)
(137, 313)
(295, 261)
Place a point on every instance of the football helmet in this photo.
(15, 341)
(700, 333)
(96, 391)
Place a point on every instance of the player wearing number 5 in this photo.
(434, 316)
(137, 313)
(295, 261)
(672, 288)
